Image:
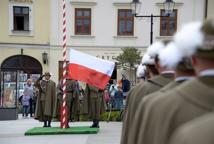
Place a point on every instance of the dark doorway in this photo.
(15, 70)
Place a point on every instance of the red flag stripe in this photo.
(90, 76)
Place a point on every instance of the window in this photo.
(21, 18)
(82, 21)
(168, 25)
(125, 22)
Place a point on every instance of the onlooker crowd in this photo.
(28, 99)
(115, 93)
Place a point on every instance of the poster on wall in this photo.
(9, 98)
(9, 77)
(22, 77)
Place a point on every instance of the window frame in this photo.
(124, 18)
(11, 31)
(22, 7)
(167, 21)
(82, 18)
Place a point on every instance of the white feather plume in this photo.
(141, 70)
(189, 38)
(170, 56)
(147, 60)
(155, 49)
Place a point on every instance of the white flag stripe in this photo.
(91, 62)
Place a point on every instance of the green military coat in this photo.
(46, 100)
(198, 131)
(146, 101)
(134, 97)
(159, 118)
(72, 99)
(95, 102)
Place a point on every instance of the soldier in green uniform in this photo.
(45, 99)
(192, 99)
(183, 72)
(141, 90)
(96, 104)
(72, 99)
(198, 131)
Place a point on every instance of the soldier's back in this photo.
(197, 131)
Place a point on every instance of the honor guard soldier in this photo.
(191, 99)
(72, 99)
(140, 91)
(46, 99)
(96, 105)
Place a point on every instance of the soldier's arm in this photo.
(37, 83)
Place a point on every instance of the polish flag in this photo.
(89, 69)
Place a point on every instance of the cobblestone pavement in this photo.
(12, 132)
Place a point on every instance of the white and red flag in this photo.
(89, 69)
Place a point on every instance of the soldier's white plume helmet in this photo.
(141, 71)
(189, 38)
(197, 39)
(155, 49)
(192, 39)
(147, 60)
(170, 56)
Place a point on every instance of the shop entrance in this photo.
(15, 70)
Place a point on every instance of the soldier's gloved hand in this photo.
(40, 78)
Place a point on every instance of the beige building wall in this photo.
(46, 34)
(40, 16)
(36, 41)
(210, 9)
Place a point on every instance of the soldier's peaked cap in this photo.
(47, 74)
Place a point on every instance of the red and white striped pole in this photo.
(64, 120)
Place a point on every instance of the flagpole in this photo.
(63, 119)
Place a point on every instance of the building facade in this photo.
(102, 28)
(24, 38)
(31, 34)
(209, 11)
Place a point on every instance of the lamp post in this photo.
(168, 7)
(45, 57)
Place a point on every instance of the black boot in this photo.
(94, 124)
(49, 123)
(97, 124)
(45, 124)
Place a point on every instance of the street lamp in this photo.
(168, 7)
(45, 57)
